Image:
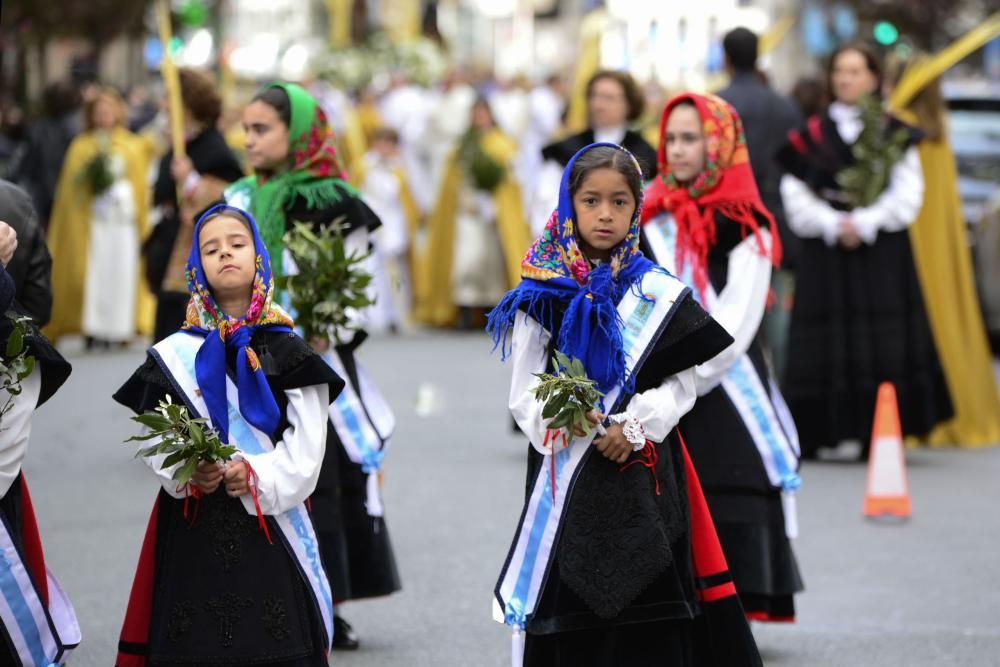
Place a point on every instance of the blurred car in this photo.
(974, 124)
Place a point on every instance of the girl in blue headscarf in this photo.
(615, 560)
(228, 571)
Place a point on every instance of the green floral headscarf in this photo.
(314, 173)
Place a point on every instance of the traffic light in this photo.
(885, 33)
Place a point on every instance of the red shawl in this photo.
(726, 186)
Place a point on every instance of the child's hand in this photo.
(236, 479)
(614, 446)
(207, 476)
(594, 417)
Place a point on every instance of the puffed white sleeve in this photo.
(287, 475)
(897, 207)
(808, 215)
(529, 354)
(658, 410)
(16, 430)
(739, 308)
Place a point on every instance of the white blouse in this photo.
(287, 475)
(810, 216)
(15, 431)
(658, 409)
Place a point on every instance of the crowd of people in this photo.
(737, 294)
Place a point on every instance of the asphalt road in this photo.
(921, 593)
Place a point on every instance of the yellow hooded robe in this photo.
(69, 230)
(432, 278)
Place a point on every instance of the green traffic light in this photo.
(885, 33)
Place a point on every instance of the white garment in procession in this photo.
(479, 276)
(406, 109)
(112, 263)
(15, 430)
(545, 109)
(895, 209)
(388, 262)
(447, 122)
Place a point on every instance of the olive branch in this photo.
(183, 439)
(567, 395)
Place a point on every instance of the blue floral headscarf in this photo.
(222, 332)
(556, 275)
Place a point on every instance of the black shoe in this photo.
(344, 638)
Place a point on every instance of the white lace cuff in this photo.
(631, 429)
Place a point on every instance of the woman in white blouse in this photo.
(859, 317)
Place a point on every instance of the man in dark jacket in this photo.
(767, 118)
(31, 265)
(48, 140)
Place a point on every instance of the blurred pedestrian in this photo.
(614, 101)
(99, 219)
(298, 177)
(941, 251)
(48, 140)
(42, 628)
(382, 180)
(31, 266)
(705, 222)
(767, 118)
(477, 232)
(859, 317)
(201, 176)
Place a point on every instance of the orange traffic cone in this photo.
(887, 492)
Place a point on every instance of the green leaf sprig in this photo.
(567, 395)
(875, 154)
(97, 173)
(16, 364)
(485, 173)
(330, 282)
(183, 439)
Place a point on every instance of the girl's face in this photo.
(851, 78)
(685, 143)
(105, 113)
(604, 205)
(228, 257)
(266, 137)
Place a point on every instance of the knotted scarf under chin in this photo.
(257, 403)
(591, 328)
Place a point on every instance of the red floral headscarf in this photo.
(726, 185)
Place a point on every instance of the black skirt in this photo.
(355, 548)
(222, 595)
(859, 320)
(746, 509)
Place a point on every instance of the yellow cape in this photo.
(944, 266)
(69, 231)
(432, 277)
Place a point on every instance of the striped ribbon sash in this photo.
(762, 408)
(363, 422)
(523, 575)
(40, 636)
(176, 356)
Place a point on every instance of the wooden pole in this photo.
(171, 81)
